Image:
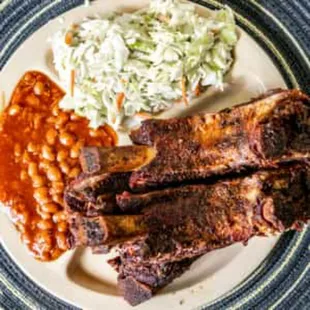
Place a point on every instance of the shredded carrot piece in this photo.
(69, 38)
(119, 100)
(144, 115)
(197, 90)
(72, 79)
(163, 18)
(124, 81)
(183, 85)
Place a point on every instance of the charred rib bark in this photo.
(260, 134)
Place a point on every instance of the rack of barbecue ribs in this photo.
(193, 185)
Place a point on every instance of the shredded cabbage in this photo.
(129, 63)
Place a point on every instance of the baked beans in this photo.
(39, 150)
(48, 153)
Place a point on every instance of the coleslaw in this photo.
(120, 65)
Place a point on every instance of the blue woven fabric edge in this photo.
(293, 15)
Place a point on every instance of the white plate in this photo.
(85, 280)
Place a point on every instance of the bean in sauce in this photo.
(39, 149)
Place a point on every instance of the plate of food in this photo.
(152, 154)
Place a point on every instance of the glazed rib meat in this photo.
(200, 218)
(259, 134)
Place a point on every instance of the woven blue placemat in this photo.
(280, 26)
